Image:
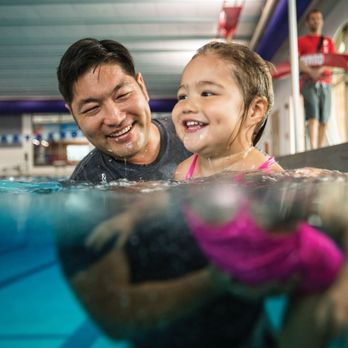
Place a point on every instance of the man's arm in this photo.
(123, 309)
(333, 309)
(313, 320)
(313, 72)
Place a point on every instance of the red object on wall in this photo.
(228, 20)
(281, 70)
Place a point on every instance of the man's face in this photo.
(315, 22)
(111, 108)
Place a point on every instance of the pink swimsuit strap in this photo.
(264, 166)
(192, 167)
(269, 162)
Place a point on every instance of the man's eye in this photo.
(90, 110)
(122, 95)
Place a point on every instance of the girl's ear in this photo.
(257, 111)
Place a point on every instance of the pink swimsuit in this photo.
(263, 166)
(250, 254)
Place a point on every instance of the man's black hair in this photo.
(86, 54)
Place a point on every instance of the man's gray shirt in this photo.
(100, 168)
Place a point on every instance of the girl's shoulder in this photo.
(183, 167)
(267, 162)
(276, 167)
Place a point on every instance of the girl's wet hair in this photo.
(251, 73)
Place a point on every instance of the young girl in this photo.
(224, 99)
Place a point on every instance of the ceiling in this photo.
(161, 35)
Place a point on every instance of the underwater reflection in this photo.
(168, 264)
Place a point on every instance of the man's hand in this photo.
(315, 73)
(121, 225)
(333, 308)
(251, 292)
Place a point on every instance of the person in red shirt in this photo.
(315, 81)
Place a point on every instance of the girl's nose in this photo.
(190, 106)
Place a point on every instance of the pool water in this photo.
(38, 308)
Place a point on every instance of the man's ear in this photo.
(67, 106)
(257, 111)
(140, 80)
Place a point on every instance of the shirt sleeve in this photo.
(299, 46)
(331, 46)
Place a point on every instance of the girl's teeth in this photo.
(193, 123)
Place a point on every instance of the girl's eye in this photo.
(182, 97)
(207, 93)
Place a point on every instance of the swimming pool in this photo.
(37, 219)
(38, 308)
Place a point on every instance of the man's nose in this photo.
(114, 116)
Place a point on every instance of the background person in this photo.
(316, 81)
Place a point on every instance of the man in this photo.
(316, 81)
(110, 104)
(154, 288)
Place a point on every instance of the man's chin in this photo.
(122, 154)
(125, 151)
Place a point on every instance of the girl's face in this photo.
(209, 110)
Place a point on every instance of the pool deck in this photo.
(331, 157)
